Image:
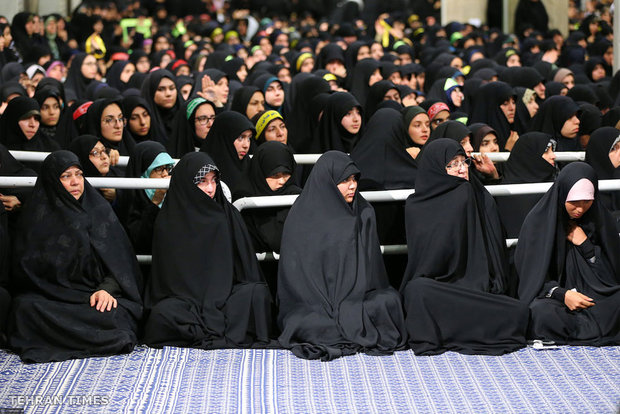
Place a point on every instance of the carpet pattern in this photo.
(180, 380)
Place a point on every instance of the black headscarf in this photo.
(76, 83)
(130, 103)
(300, 126)
(544, 255)
(467, 246)
(226, 128)
(242, 98)
(184, 138)
(344, 305)
(487, 109)
(522, 114)
(265, 225)
(40, 96)
(189, 266)
(597, 155)
(381, 153)
(126, 144)
(360, 75)
(375, 97)
(330, 134)
(65, 250)
(12, 135)
(113, 75)
(161, 119)
(526, 164)
(550, 119)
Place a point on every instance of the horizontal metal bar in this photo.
(37, 156)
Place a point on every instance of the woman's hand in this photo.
(575, 234)
(512, 139)
(11, 203)
(208, 91)
(484, 164)
(114, 156)
(103, 301)
(158, 197)
(575, 300)
(108, 193)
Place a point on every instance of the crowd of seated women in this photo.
(235, 114)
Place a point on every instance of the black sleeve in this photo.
(140, 227)
(110, 285)
(587, 250)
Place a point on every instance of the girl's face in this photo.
(221, 89)
(509, 108)
(347, 188)
(256, 104)
(140, 121)
(242, 143)
(99, 157)
(143, 65)
(614, 155)
(513, 60)
(50, 111)
(29, 126)
(466, 144)
(375, 77)
(352, 121)
(274, 95)
(277, 181)
(569, 81)
(549, 155)
(576, 209)
(457, 97)
(112, 123)
(532, 107)
(208, 185)
(489, 143)
(89, 67)
(419, 129)
(203, 120)
(363, 53)
(570, 129)
(166, 94)
(392, 95)
(127, 72)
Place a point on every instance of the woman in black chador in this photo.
(603, 154)
(333, 290)
(206, 290)
(75, 273)
(457, 274)
(568, 262)
(270, 173)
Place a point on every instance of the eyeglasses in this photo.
(160, 170)
(99, 153)
(111, 121)
(204, 120)
(456, 165)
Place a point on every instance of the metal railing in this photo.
(36, 156)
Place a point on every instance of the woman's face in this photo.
(166, 94)
(221, 90)
(127, 72)
(352, 121)
(50, 111)
(242, 143)
(276, 131)
(307, 65)
(458, 167)
(532, 107)
(598, 72)
(29, 126)
(203, 120)
(186, 90)
(112, 123)
(208, 185)
(347, 188)
(376, 51)
(242, 73)
(419, 129)
(576, 209)
(274, 95)
(549, 155)
(89, 67)
(256, 104)
(165, 59)
(569, 81)
(57, 72)
(457, 97)
(8, 38)
(284, 75)
(100, 158)
(392, 95)
(489, 143)
(140, 121)
(375, 77)
(363, 53)
(143, 65)
(570, 129)
(277, 181)
(466, 144)
(73, 181)
(614, 155)
(457, 63)
(509, 108)
(540, 90)
(513, 60)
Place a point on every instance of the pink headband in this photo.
(436, 108)
(581, 190)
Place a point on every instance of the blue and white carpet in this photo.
(179, 380)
